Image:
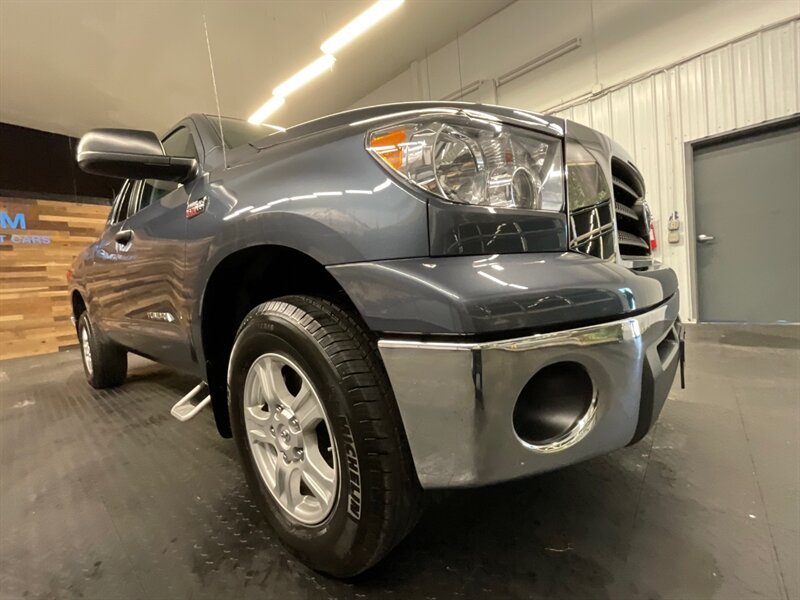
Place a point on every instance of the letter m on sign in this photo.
(6, 222)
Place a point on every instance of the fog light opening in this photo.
(556, 407)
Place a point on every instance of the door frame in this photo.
(690, 221)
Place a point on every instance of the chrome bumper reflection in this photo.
(457, 399)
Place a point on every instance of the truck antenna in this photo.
(216, 95)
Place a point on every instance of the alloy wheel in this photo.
(290, 438)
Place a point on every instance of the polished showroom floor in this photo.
(104, 495)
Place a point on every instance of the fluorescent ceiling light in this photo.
(359, 25)
(302, 77)
(269, 107)
(337, 41)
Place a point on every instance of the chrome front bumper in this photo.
(457, 399)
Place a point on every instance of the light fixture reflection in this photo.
(500, 281)
(269, 205)
(382, 186)
(236, 213)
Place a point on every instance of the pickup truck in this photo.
(383, 301)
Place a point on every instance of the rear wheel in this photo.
(319, 434)
(105, 364)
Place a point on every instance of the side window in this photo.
(119, 212)
(179, 143)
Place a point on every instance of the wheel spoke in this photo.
(269, 463)
(305, 394)
(307, 409)
(318, 475)
(287, 482)
(258, 423)
(273, 384)
(264, 382)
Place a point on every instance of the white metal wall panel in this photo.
(661, 179)
(747, 82)
(646, 138)
(694, 116)
(582, 114)
(718, 77)
(621, 119)
(601, 115)
(781, 67)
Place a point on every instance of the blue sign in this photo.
(17, 222)
(6, 222)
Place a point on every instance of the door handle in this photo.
(703, 238)
(123, 236)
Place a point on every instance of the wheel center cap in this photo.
(288, 436)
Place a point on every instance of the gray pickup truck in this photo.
(382, 301)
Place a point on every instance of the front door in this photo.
(103, 283)
(148, 314)
(747, 224)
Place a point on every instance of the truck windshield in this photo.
(238, 132)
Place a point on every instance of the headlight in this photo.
(475, 162)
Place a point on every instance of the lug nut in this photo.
(294, 423)
(299, 453)
(272, 430)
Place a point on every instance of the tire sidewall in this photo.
(336, 541)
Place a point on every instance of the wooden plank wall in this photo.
(34, 304)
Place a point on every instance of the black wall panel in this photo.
(39, 164)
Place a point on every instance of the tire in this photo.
(376, 498)
(106, 364)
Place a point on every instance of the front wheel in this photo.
(319, 434)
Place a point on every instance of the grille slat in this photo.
(624, 211)
(624, 193)
(630, 240)
(633, 227)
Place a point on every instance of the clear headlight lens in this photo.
(483, 164)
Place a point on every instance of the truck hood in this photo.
(373, 115)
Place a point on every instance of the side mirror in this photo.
(131, 154)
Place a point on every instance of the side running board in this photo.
(191, 404)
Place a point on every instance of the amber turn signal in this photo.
(388, 146)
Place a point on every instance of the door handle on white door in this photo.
(703, 238)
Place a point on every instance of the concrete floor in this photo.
(104, 496)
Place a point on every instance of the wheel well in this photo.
(78, 305)
(241, 282)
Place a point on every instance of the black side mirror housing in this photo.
(131, 154)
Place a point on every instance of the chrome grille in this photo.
(633, 226)
(606, 221)
(592, 230)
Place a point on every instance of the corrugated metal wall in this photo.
(749, 81)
